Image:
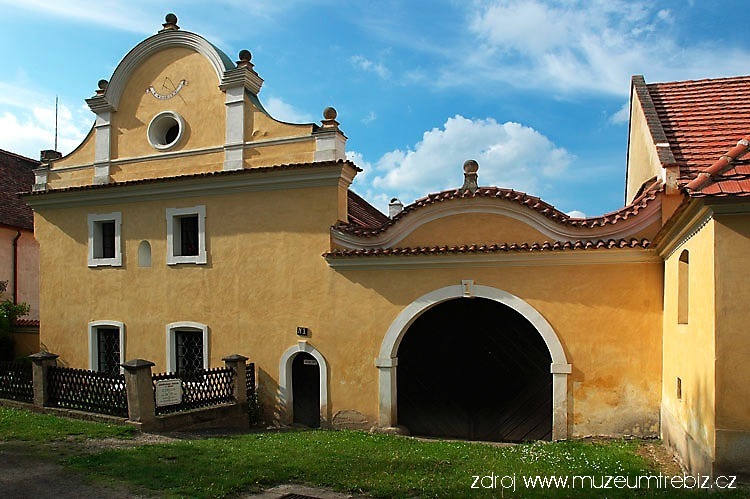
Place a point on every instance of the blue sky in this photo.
(536, 91)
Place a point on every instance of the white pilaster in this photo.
(102, 147)
(330, 145)
(235, 128)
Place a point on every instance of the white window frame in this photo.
(172, 214)
(95, 238)
(93, 341)
(172, 329)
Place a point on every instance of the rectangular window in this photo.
(683, 287)
(189, 351)
(107, 248)
(104, 240)
(106, 346)
(186, 235)
(108, 350)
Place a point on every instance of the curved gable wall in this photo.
(470, 228)
(199, 102)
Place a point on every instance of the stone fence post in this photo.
(237, 362)
(140, 389)
(42, 361)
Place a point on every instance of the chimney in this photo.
(48, 155)
(395, 207)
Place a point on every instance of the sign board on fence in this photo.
(168, 392)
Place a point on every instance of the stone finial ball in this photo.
(470, 166)
(245, 55)
(329, 113)
(102, 84)
(171, 18)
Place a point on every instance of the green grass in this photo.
(357, 462)
(348, 461)
(28, 426)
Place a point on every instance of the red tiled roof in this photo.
(362, 213)
(222, 173)
(16, 176)
(491, 248)
(26, 323)
(521, 198)
(728, 176)
(701, 121)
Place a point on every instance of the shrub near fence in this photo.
(204, 388)
(16, 381)
(88, 391)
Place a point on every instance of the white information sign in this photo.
(168, 392)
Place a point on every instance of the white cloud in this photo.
(572, 46)
(369, 66)
(284, 111)
(371, 116)
(126, 16)
(509, 155)
(27, 130)
(576, 214)
(622, 115)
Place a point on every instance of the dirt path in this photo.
(26, 472)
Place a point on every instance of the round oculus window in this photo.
(165, 130)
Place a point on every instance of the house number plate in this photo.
(168, 392)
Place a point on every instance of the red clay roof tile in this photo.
(362, 213)
(521, 198)
(702, 120)
(490, 248)
(26, 322)
(16, 176)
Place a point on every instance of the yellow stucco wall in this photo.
(733, 330)
(25, 342)
(265, 276)
(473, 228)
(202, 106)
(75, 177)
(689, 350)
(81, 155)
(200, 103)
(732, 343)
(266, 127)
(643, 160)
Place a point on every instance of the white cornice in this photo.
(210, 185)
(188, 152)
(697, 215)
(552, 230)
(600, 256)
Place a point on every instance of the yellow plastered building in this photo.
(190, 225)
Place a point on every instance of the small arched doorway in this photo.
(306, 390)
(475, 368)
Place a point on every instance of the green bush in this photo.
(9, 312)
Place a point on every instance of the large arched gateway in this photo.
(494, 365)
(475, 368)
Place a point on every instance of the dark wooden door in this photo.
(306, 390)
(476, 369)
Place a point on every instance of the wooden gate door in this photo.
(476, 369)
(306, 390)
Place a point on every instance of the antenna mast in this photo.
(55, 122)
